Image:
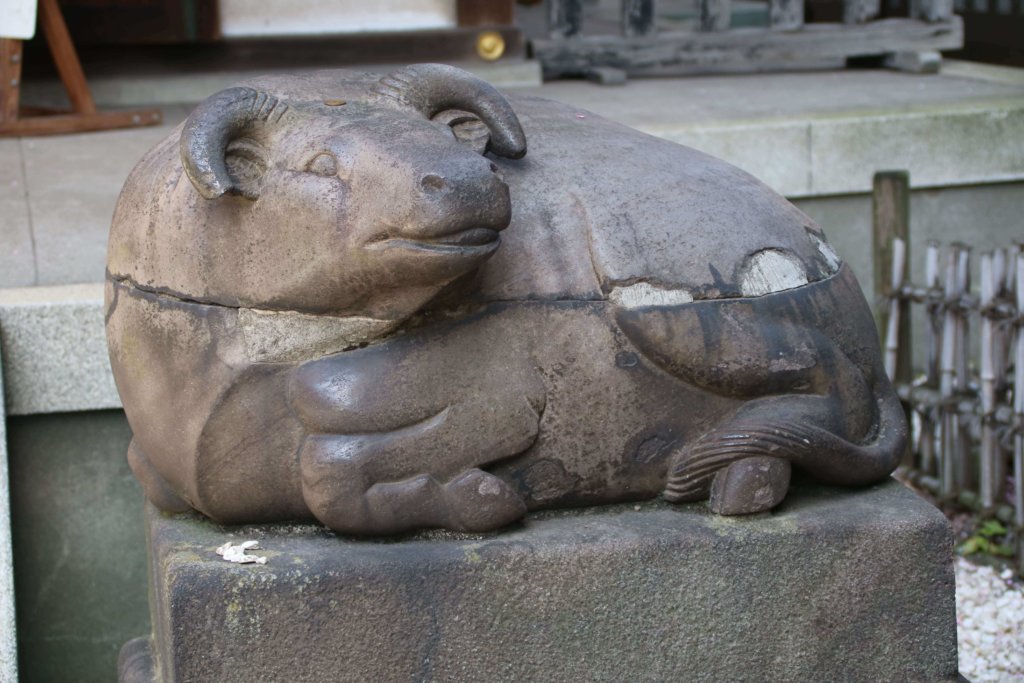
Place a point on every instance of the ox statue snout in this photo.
(460, 203)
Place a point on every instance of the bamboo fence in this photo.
(967, 415)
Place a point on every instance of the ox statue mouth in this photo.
(472, 242)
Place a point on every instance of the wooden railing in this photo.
(965, 400)
(788, 41)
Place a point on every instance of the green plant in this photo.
(987, 539)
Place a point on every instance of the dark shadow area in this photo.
(79, 545)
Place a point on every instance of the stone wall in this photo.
(79, 545)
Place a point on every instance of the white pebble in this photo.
(990, 614)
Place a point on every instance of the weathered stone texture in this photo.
(830, 587)
(55, 356)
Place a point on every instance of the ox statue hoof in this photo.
(751, 485)
(479, 502)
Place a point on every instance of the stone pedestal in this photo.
(834, 585)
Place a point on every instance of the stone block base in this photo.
(832, 586)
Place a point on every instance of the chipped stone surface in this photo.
(644, 294)
(274, 337)
(771, 270)
(831, 257)
(831, 586)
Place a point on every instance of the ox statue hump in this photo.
(360, 299)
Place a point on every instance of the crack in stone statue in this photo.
(358, 299)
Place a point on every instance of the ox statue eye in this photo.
(323, 164)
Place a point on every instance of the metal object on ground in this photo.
(490, 45)
(387, 315)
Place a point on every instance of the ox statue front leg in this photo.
(397, 442)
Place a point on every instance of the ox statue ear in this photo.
(434, 89)
(467, 128)
(220, 142)
(246, 160)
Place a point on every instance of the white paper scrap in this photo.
(236, 553)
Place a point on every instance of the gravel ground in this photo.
(990, 618)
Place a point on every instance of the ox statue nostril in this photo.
(433, 183)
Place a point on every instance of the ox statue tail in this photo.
(743, 464)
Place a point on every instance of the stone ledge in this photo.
(8, 641)
(55, 350)
(833, 154)
(835, 585)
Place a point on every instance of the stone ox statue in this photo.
(360, 299)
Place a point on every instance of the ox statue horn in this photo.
(433, 88)
(212, 126)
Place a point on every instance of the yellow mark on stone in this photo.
(472, 556)
(232, 617)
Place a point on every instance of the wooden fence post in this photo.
(10, 79)
(565, 18)
(891, 220)
(637, 17)
(786, 15)
(715, 15)
(931, 10)
(860, 11)
(1018, 408)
